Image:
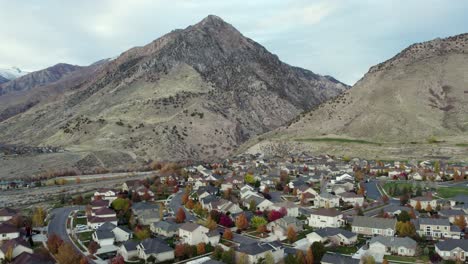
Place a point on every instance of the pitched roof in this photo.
(338, 259)
(190, 227)
(7, 228)
(130, 245)
(165, 225)
(13, 243)
(394, 241)
(327, 212)
(35, 258)
(449, 244)
(380, 223)
(330, 231)
(434, 221)
(154, 246)
(257, 248)
(8, 212)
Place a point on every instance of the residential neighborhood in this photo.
(251, 209)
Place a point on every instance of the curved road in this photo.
(58, 224)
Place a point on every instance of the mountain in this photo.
(196, 93)
(37, 78)
(416, 99)
(11, 73)
(3, 79)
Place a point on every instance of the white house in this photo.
(8, 231)
(193, 234)
(105, 194)
(325, 217)
(403, 246)
(352, 198)
(17, 245)
(453, 249)
(257, 251)
(370, 226)
(128, 250)
(291, 208)
(327, 200)
(156, 248)
(424, 201)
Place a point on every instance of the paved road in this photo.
(58, 223)
(176, 203)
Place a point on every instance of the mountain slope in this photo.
(37, 78)
(420, 95)
(3, 79)
(195, 93)
(11, 73)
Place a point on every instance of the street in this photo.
(176, 202)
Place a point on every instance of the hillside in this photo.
(37, 78)
(416, 100)
(196, 93)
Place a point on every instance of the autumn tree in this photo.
(201, 248)
(405, 229)
(269, 259)
(142, 233)
(185, 198)
(53, 243)
(291, 234)
(190, 205)
(428, 207)
(241, 222)
(180, 216)
(179, 251)
(460, 221)
(258, 221)
(93, 247)
(227, 234)
(38, 217)
(385, 261)
(252, 205)
(367, 259)
(309, 259)
(262, 229)
(211, 224)
(67, 254)
(274, 215)
(385, 199)
(404, 216)
(418, 206)
(300, 257)
(8, 254)
(117, 260)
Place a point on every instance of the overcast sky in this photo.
(342, 38)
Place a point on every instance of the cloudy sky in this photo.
(342, 38)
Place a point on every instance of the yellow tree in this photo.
(241, 222)
(428, 208)
(38, 217)
(211, 224)
(460, 221)
(291, 234)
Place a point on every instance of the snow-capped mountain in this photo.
(11, 73)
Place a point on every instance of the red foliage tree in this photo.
(180, 216)
(225, 220)
(274, 215)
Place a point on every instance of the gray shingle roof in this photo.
(154, 246)
(338, 259)
(394, 241)
(434, 221)
(450, 244)
(257, 248)
(327, 232)
(379, 223)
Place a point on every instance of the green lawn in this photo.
(447, 192)
(85, 235)
(401, 185)
(400, 258)
(338, 140)
(347, 250)
(80, 221)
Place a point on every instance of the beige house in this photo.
(325, 217)
(370, 226)
(453, 249)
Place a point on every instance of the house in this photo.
(261, 204)
(453, 249)
(146, 213)
(257, 251)
(279, 227)
(165, 228)
(436, 228)
(247, 190)
(105, 194)
(370, 226)
(193, 234)
(131, 184)
(403, 246)
(424, 201)
(330, 258)
(128, 250)
(451, 214)
(352, 198)
(395, 210)
(336, 236)
(17, 246)
(33, 258)
(99, 203)
(7, 214)
(108, 233)
(325, 217)
(8, 231)
(291, 208)
(327, 200)
(155, 248)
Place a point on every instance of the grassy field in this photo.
(447, 192)
(406, 259)
(85, 236)
(80, 221)
(337, 140)
(389, 185)
(346, 250)
(462, 145)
